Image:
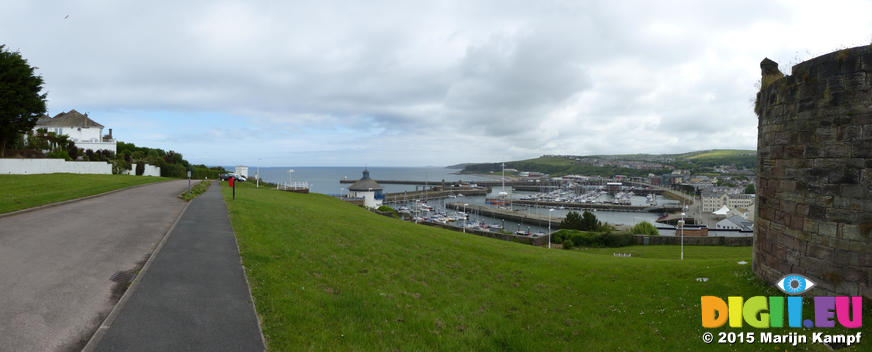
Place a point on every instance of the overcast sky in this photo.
(332, 83)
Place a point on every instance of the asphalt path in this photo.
(63, 268)
(194, 295)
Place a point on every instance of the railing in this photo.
(292, 186)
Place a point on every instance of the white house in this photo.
(368, 189)
(83, 131)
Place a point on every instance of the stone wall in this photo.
(694, 241)
(814, 186)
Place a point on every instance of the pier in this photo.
(598, 206)
(517, 216)
(400, 197)
(461, 183)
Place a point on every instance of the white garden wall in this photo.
(150, 170)
(50, 166)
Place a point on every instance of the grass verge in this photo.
(196, 190)
(327, 275)
(26, 191)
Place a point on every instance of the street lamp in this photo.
(549, 227)
(257, 180)
(416, 211)
(681, 226)
(290, 177)
(464, 216)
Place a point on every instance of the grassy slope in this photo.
(327, 275)
(561, 166)
(27, 191)
(719, 153)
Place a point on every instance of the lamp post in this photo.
(464, 217)
(257, 176)
(290, 177)
(416, 211)
(681, 225)
(549, 227)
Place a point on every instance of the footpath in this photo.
(193, 296)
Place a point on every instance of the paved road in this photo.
(56, 263)
(194, 296)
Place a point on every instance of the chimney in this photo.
(110, 133)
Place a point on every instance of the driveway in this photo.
(63, 268)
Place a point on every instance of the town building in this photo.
(370, 191)
(81, 130)
(735, 223)
(712, 201)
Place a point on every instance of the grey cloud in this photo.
(421, 83)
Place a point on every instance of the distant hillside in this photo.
(626, 164)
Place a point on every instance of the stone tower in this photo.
(814, 186)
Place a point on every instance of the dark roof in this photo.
(71, 118)
(365, 184)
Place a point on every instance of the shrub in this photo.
(59, 154)
(567, 244)
(592, 239)
(140, 168)
(645, 228)
(387, 209)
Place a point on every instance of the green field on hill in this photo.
(27, 191)
(327, 275)
(698, 161)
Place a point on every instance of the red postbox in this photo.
(230, 181)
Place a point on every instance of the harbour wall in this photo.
(520, 217)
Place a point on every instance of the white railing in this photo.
(292, 186)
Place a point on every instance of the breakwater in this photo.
(512, 215)
(460, 183)
(401, 197)
(598, 206)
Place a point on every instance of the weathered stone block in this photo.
(847, 257)
(820, 252)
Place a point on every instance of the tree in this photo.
(21, 103)
(589, 222)
(572, 221)
(750, 189)
(645, 228)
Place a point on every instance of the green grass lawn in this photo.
(674, 252)
(27, 191)
(326, 275)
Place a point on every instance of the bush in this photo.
(59, 154)
(592, 239)
(567, 244)
(387, 209)
(140, 168)
(645, 228)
